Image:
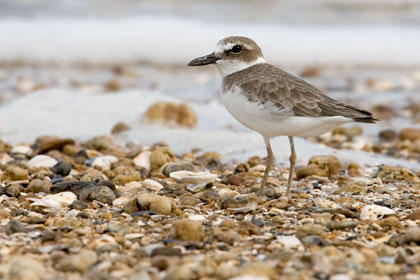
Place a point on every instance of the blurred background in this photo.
(78, 68)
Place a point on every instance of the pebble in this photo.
(102, 161)
(25, 268)
(170, 113)
(152, 185)
(309, 229)
(14, 226)
(42, 161)
(160, 156)
(170, 167)
(37, 185)
(5, 159)
(412, 235)
(289, 241)
(142, 160)
(120, 127)
(187, 230)
(374, 212)
(14, 173)
(331, 164)
(99, 193)
(193, 177)
(411, 134)
(62, 168)
(155, 203)
(22, 149)
(81, 262)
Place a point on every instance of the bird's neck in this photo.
(228, 67)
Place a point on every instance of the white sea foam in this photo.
(81, 115)
(175, 41)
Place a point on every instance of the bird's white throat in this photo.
(230, 66)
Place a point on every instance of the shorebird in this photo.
(273, 102)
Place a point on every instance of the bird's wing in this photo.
(285, 91)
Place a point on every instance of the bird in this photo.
(273, 102)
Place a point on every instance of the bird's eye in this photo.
(237, 49)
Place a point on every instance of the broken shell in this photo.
(374, 212)
(193, 177)
(102, 161)
(42, 161)
(194, 188)
(143, 160)
(55, 201)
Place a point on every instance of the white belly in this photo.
(271, 122)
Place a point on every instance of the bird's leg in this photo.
(270, 158)
(292, 160)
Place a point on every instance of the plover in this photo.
(273, 102)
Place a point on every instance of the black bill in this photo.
(204, 60)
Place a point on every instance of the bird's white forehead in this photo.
(223, 46)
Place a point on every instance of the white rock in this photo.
(143, 160)
(22, 149)
(198, 218)
(340, 277)
(5, 159)
(374, 212)
(133, 235)
(258, 168)
(325, 203)
(121, 201)
(249, 277)
(289, 241)
(152, 185)
(104, 161)
(192, 177)
(42, 161)
(55, 201)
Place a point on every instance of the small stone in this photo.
(415, 215)
(5, 159)
(187, 230)
(151, 185)
(209, 160)
(42, 161)
(389, 174)
(102, 161)
(14, 226)
(374, 212)
(155, 203)
(351, 187)
(78, 205)
(390, 223)
(342, 225)
(170, 167)
(120, 127)
(388, 135)
(22, 150)
(195, 188)
(25, 268)
(289, 242)
(278, 220)
(99, 143)
(310, 170)
(226, 235)
(412, 235)
(248, 228)
(193, 177)
(411, 134)
(14, 173)
(99, 193)
(309, 229)
(48, 143)
(314, 240)
(167, 251)
(161, 156)
(142, 160)
(62, 168)
(113, 85)
(330, 164)
(37, 185)
(81, 262)
(14, 190)
(254, 161)
(125, 175)
(171, 113)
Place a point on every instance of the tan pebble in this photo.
(120, 127)
(80, 262)
(278, 220)
(14, 173)
(171, 113)
(411, 134)
(155, 203)
(188, 230)
(113, 85)
(160, 156)
(309, 229)
(330, 164)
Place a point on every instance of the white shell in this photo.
(152, 185)
(55, 201)
(192, 177)
(198, 218)
(5, 159)
(104, 161)
(21, 149)
(42, 161)
(143, 160)
(374, 212)
(325, 203)
(121, 201)
(289, 241)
